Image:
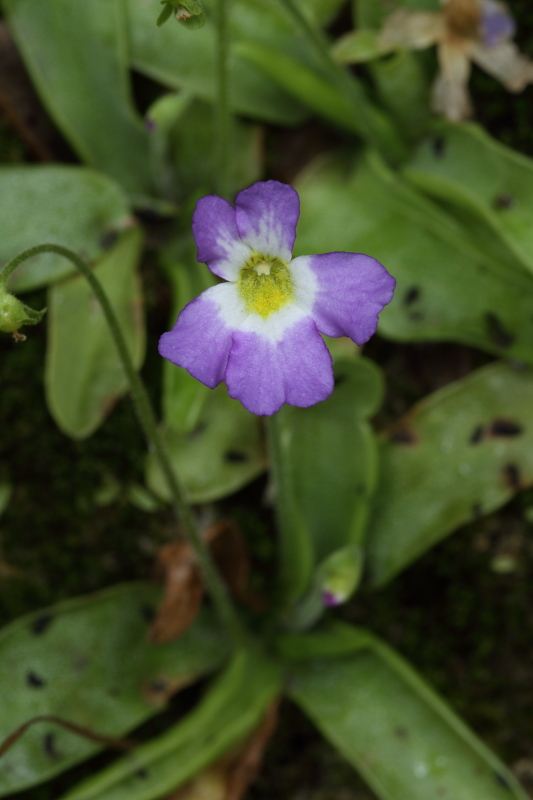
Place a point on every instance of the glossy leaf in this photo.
(72, 206)
(371, 13)
(221, 455)
(76, 55)
(447, 287)
(183, 60)
(460, 453)
(231, 709)
(326, 467)
(183, 148)
(84, 377)
(387, 722)
(464, 166)
(88, 661)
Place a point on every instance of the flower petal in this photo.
(505, 63)
(201, 338)
(217, 238)
(450, 90)
(412, 29)
(263, 372)
(266, 215)
(496, 23)
(349, 292)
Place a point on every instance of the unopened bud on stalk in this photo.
(340, 574)
(14, 314)
(188, 12)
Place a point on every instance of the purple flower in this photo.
(260, 329)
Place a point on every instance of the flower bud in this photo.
(14, 314)
(340, 574)
(189, 13)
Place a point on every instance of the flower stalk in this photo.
(213, 582)
(222, 108)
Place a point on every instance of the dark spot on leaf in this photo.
(141, 773)
(158, 686)
(108, 239)
(505, 427)
(402, 436)
(477, 511)
(411, 295)
(33, 680)
(49, 746)
(438, 144)
(501, 780)
(197, 431)
(41, 624)
(503, 202)
(416, 316)
(511, 475)
(235, 457)
(497, 332)
(477, 435)
(339, 379)
(148, 613)
(401, 733)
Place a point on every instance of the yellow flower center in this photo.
(265, 285)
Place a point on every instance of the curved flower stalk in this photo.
(465, 31)
(260, 329)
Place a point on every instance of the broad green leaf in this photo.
(462, 165)
(404, 91)
(183, 59)
(183, 148)
(447, 288)
(84, 377)
(306, 85)
(72, 206)
(387, 722)
(325, 467)
(372, 13)
(231, 709)
(359, 46)
(88, 662)
(460, 453)
(76, 56)
(220, 455)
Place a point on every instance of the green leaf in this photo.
(460, 453)
(76, 56)
(183, 147)
(306, 85)
(372, 13)
(359, 46)
(231, 709)
(447, 288)
(88, 662)
(404, 91)
(181, 61)
(325, 463)
(221, 455)
(71, 206)
(84, 377)
(402, 738)
(463, 166)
